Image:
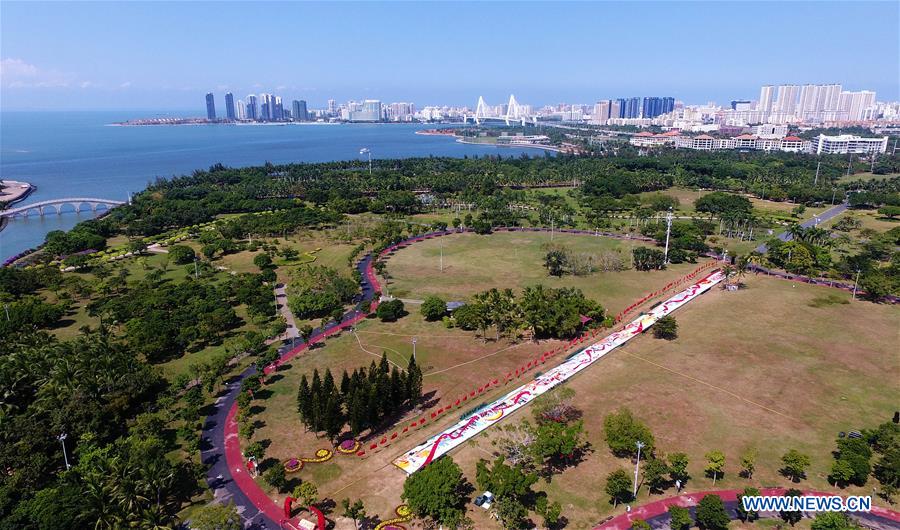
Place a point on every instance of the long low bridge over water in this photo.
(57, 205)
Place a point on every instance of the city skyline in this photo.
(127, 65)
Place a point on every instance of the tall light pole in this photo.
(855, 283)
(62, 439)
(367, 151)
(637, 464)
(441, 241)
(669, 217)
(414, 348)
(816, 181)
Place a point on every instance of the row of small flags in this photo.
(668, 287)
(511, 375)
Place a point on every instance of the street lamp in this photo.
(62, 439)
(367, 151)
(855, 283)
(639, 444)
(669, 217)
(414, 348)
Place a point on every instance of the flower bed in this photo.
(293, 465)
(349, 447)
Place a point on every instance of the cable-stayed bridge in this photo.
(515, 113)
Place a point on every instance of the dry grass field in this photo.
(759, 368)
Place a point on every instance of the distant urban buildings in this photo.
(767, 118)
(229, 106)
(770, 140)
(210, 107)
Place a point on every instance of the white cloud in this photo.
(126, 84)
(16, 73)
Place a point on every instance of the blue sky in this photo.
(168, 55)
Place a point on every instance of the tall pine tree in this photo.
(413, 381)
(304, 401)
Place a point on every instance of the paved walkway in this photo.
(281, 301)
(827, 215)
(656, 512)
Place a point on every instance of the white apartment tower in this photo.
(766, 95)
(787, 99)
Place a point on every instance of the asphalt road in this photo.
(828, 214)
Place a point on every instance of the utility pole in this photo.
(62, 439)
(816, 181)
(855, 283)
(551, 229)
(441, 240)
(669, 217)
(637, 464)
(6, 308)
(414, 348)
(196, 270)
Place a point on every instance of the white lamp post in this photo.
(367, 151)
(62, 439)
(639, 444)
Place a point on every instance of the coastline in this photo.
(22, 191)
(533, 146)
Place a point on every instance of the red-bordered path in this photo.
(689, 500)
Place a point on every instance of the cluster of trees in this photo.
(687, 239)
(853, 459)
(161, 320)
(363, 400)
(546, 312)
(86, 235)
(318, 291)
(97, 392)
(560, 260)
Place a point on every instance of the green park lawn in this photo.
(474, 263)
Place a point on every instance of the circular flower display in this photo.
(293, 465)
(349, 447)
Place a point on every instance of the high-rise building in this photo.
(853, 105)
(766, 95)
(240, 110)
(632, 108)
(210, 106)
(601, 112)
(229, 106)
(617, 108)
(300, 113)
(369, 110)
(332, 107)
(787, 99)
(277, 109)
(266, 102)
(252, 109)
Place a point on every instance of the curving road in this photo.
(827, 215)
